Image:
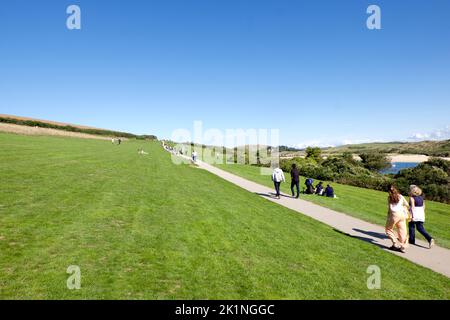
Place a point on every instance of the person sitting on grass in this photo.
(417, 209)
(309, 186)
(141, 151)
(319, 188)
(329, 192)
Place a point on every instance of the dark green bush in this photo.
(374, 161)
(431, 176)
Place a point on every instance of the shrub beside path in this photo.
(436, 259)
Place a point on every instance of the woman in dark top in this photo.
(319, 188)
(329, 191)
(417, 205)
(309, 186)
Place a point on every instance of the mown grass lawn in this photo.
(140, 227)
(366, 204)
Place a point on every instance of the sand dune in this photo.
(47, 121)
(38, 131)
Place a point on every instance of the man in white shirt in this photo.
(277, 178)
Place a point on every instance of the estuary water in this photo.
(397, 166)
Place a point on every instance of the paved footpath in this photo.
(436, 259)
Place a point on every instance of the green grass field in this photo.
(366, 204)
(140, 227)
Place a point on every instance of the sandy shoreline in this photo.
(407, 158)
(410, 158)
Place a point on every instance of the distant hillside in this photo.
(61, 124)
(429, 148)
(30, 122)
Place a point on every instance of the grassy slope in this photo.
(366, 204)
(140, 227)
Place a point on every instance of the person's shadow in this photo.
(272, 195)
(380, 236)
(377, 235)
(365, 239)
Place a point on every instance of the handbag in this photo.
(408, 215)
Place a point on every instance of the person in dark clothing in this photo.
(295, 180)
(319, 189)
(309, 186)
(329, 191)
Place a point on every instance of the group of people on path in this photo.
(278, 178)
(170, 149)
(401, 212)
(181, 152)
(403, 216)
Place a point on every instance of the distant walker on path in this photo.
(277, 178)
(295, 180)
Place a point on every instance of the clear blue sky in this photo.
(309, 68)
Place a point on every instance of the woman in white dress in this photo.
(396, 219)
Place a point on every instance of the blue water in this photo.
(397, 166)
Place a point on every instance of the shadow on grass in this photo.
(365, 239)
(382, 236)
